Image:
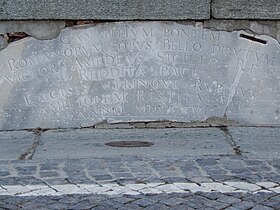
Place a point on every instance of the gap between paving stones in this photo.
(30, 151)
(229, 138)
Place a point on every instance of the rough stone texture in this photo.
(260, 142)
(106, 10)
(61, 144)
(139, 71)
(14, 144)
(243, 9)
(37, 29)
(3, 43)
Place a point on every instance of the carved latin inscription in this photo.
(137, 71)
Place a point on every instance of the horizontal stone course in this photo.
(105, 9)
(243, 9)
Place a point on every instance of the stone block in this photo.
(90, 143)
(243, 9)
(139, 71)
(104, 10)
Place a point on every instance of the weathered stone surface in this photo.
(243, 9)
(37, 29)
(139, 72)
(106, 9)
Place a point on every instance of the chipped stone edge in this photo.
(31, 27)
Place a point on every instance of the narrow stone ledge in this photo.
(104, 10)
(243, 9)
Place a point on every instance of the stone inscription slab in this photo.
(139, 71)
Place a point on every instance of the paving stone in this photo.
(4, 173)
(171, 180)
(261, 207)
(267, 184)
(193, 187)
(136, 186)
(169, 188)
(16, 189)
(257, 198)
(49, 174)
(228, 199)
(84, 204)
(157, 206)
(103, 177)
(150, 190)
(207, 162)
(56, 181)
(124, 199)
(243, 186)
(28, 180)
(173, 201)
(276, 189)
(131, 206)
(43, 191)
(218, 187)
(244, 205)
(70, 189)
(273, 202)
(232, 208)
(49, 166)
(123, 175)
(144, 202)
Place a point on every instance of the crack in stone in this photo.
(230, 139)
(30, 151)
(236, 82)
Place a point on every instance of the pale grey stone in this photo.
(14, 144)
(37, 29)
(91, 143)
(257, 142)
(106, 9)
(139, 71)
(243, 9)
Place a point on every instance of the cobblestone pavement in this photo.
(226, 181)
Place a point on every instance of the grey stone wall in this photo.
(105, 9)
(139, 9)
